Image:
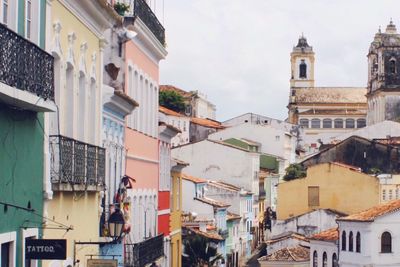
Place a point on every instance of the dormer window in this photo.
(392, 66)
(303, 69)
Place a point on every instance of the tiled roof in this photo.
(212, 202)
(333, 112)
(224, 186)
(193, 179)
(171, 127)
(175, 89)
(290, 254)
(330, 95)
(328, 235)
(371, 214)
(207, 123)
(351, 167)
(232, 216)
(210, 235)
(169, 112)
(180, 162)
(286, 235)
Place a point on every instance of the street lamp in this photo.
(116, 224)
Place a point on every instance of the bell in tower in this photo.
(302, 64)
(384, 76)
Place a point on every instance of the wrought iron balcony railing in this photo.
(76, 163)
(143, 253)
(24, 65)
(142, 10)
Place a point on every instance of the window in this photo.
(6, 254)
(397, 193)
(304, 123)
(350, 123)
(383, 194)
(390, 194)
(358, 242)
(326, 123)
(313, 196)
(5, 11)
(351, 241)
(344, 241)
(28, 18)
(324, 260)
(392, 66)
(315, 123)
(303, 69)
(315, 259)
(277, 138)
(386, 243)
(338, 123)
(334, 260)
(361, 123)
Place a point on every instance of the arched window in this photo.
(303, 69)
(386, 242)
(338, 123)
(351, 241)
(304, 123)
(324, 260)
(361, 123)
(315, 259)
(392, 66)
(334, 260)
(350, 123)
(326, 123)
(344, 240)
(315, 123)
(358, 242)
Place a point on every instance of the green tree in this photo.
(172, 100)
(294, 171)
(199, 252)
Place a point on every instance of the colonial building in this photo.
(77, 156)
(26, 97)
(179, 121)
(368, 238)
(383, 76)
(322, 111)
(324, 248)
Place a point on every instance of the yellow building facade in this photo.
(176, 213)
(76, 43)
(328, 186)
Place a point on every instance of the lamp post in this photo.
(116, 224)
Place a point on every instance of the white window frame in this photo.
(27, 19)
(31, 232)
(10, 237)
(34, 21)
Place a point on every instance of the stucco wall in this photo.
(338, 186)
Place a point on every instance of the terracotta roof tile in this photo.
(285, 236)
(328, 235)
(212, 202)
(371, 214)
(232, 216)
(169, 112)
(291, 254)
(210, 235)
(175, 89)
(193, 179)
(207, 123)
(330, 95)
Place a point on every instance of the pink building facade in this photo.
(143, 48)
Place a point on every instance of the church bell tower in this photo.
(302, 64)
(383, 94)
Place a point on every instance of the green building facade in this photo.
(26, 93)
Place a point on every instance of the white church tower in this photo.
(302, 64)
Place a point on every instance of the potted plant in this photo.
(121, 8)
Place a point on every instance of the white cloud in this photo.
(237, 52)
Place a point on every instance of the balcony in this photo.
(142, 10)
(143, 253)
(76, 166)
(25, 66)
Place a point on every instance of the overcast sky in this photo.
(238, 51)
